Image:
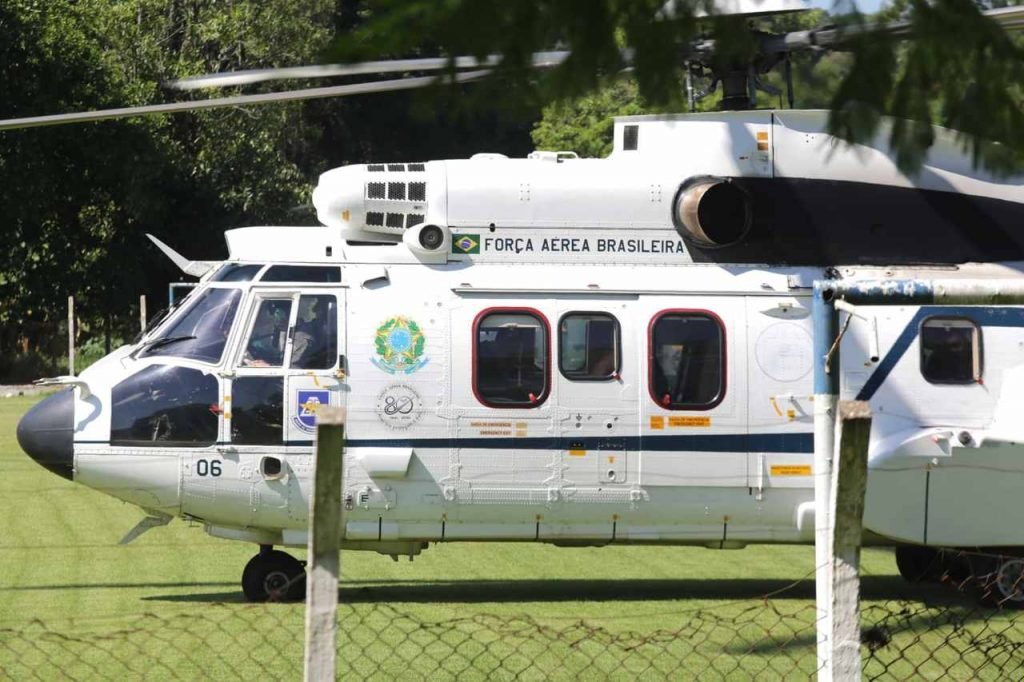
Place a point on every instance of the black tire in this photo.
(1004, 585)
(274, 576)
(919, 564)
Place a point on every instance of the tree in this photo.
(584, 124)
(961, 70)
(76, 201)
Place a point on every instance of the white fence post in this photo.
(846, 506)
(324, 540)
(71, 335)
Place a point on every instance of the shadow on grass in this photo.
(110, 586)
(873, 588)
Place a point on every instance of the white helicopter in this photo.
(575, 351)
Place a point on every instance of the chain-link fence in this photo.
(943, 634)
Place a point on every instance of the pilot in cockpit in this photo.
(269, 332)
(309, 343)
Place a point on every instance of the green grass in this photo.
(75, 604)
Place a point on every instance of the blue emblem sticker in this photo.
(308, 402)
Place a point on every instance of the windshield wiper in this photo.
(161, 342)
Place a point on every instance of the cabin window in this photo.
(510, 358)
(588, 346)
(201, 331)
(269, 334)
(257, 410)
(950, 350)
(236, 272)
(687, 360)
(302, 273)
(165, 405)
(315, 337)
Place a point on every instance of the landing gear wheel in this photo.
(1006, 588)
(919, 564)
(274, 576)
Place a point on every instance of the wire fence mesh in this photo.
(956, 631)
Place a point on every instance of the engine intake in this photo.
(712, 212)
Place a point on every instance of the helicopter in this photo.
(580, 352)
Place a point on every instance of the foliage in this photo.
(960, 69)
(77, 200)
(584, 124)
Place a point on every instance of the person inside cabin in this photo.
(269, 331)
(309, 344)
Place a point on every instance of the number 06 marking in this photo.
(208, 467)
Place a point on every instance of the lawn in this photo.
(168, 606)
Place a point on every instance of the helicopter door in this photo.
(314, 366)
(693, 393)
(597, 393)
(779, 409)
(287, 367)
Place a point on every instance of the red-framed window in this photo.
(511, 357)
(686, 359)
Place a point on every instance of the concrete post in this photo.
(849, 483)
(324, 539)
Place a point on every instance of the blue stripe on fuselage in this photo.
(754, 442)
(986, 316)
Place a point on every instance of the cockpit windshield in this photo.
(201, 331)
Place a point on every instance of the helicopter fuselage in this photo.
(545, 353)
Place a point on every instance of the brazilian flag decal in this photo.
(466, 243)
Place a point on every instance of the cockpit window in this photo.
(269, 334)
(315, 338)
(201, 331)
(236, 272)
(165, 405)
(302, 273)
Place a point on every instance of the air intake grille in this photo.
(396, 198)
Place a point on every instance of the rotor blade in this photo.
(223, 80)
(1009, 18)
(725, 8)
(240, 100)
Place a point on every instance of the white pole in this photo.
(71, 335)
(826, 389)
(142, 313)
(824, 442)
(849, 483)
(324, 541)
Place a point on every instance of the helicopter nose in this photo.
(46, 431)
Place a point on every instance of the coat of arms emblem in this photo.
(399, 343)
